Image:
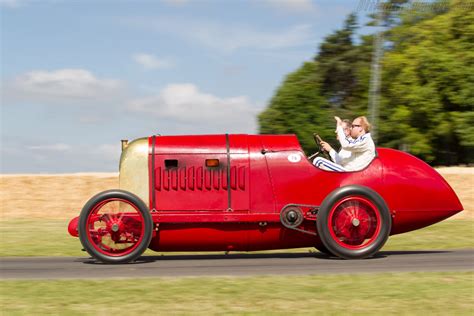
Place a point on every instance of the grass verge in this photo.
(50, 238)
(401, 293)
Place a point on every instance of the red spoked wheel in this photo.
(354, 222)
(115, 226)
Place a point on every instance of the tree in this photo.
(340, 62)
(297, 108)
(309, 98)
(427, 97)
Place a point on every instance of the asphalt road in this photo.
(235, 265)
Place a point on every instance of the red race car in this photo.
(256, 192)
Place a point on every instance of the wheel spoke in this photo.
(353, 222)
(115, 227)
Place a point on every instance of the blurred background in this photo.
(78, 76)
(413, 78)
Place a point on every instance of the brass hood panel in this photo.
(134, 169)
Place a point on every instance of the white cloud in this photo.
(234, 38)
(292, 5)
(176, 2)
(61, 85)
(229, 37)
(51, 147)
(151, 62)
(186, 104)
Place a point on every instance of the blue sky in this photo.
(78, 76)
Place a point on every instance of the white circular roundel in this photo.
(294, 158)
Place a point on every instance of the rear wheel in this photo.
(321, 248)
(115, 226)
(354, 222)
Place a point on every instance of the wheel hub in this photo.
(115, 227)
(355, 222)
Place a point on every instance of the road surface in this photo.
(235, 265)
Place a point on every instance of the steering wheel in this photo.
(320, 151)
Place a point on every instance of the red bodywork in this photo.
(237, 205)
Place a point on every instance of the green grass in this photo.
(451, 234)
(37, 238)
(50, 238)
(377, 294)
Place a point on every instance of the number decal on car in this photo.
(294, 158)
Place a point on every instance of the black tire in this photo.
(375, 206)
(132, 199)
(321, 248)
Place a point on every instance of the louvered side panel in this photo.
(166, 180)
(158, 178)
(207, 179)
(233, 178)
(224, 179)
(182, 178)
(191, 185)
(216, 179)
(174, 179)
(241, 178)
(199, 178)
(191, 178)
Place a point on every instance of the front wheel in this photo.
(115, 226)
(354, 222)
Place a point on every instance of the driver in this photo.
(343, 155)
(340, 158)
(361, 147)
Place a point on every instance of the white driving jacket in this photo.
(362, 151)
(341, 158)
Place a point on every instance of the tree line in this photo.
(427, 84)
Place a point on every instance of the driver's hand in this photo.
(325, 146)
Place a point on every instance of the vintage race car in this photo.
(256, 192)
